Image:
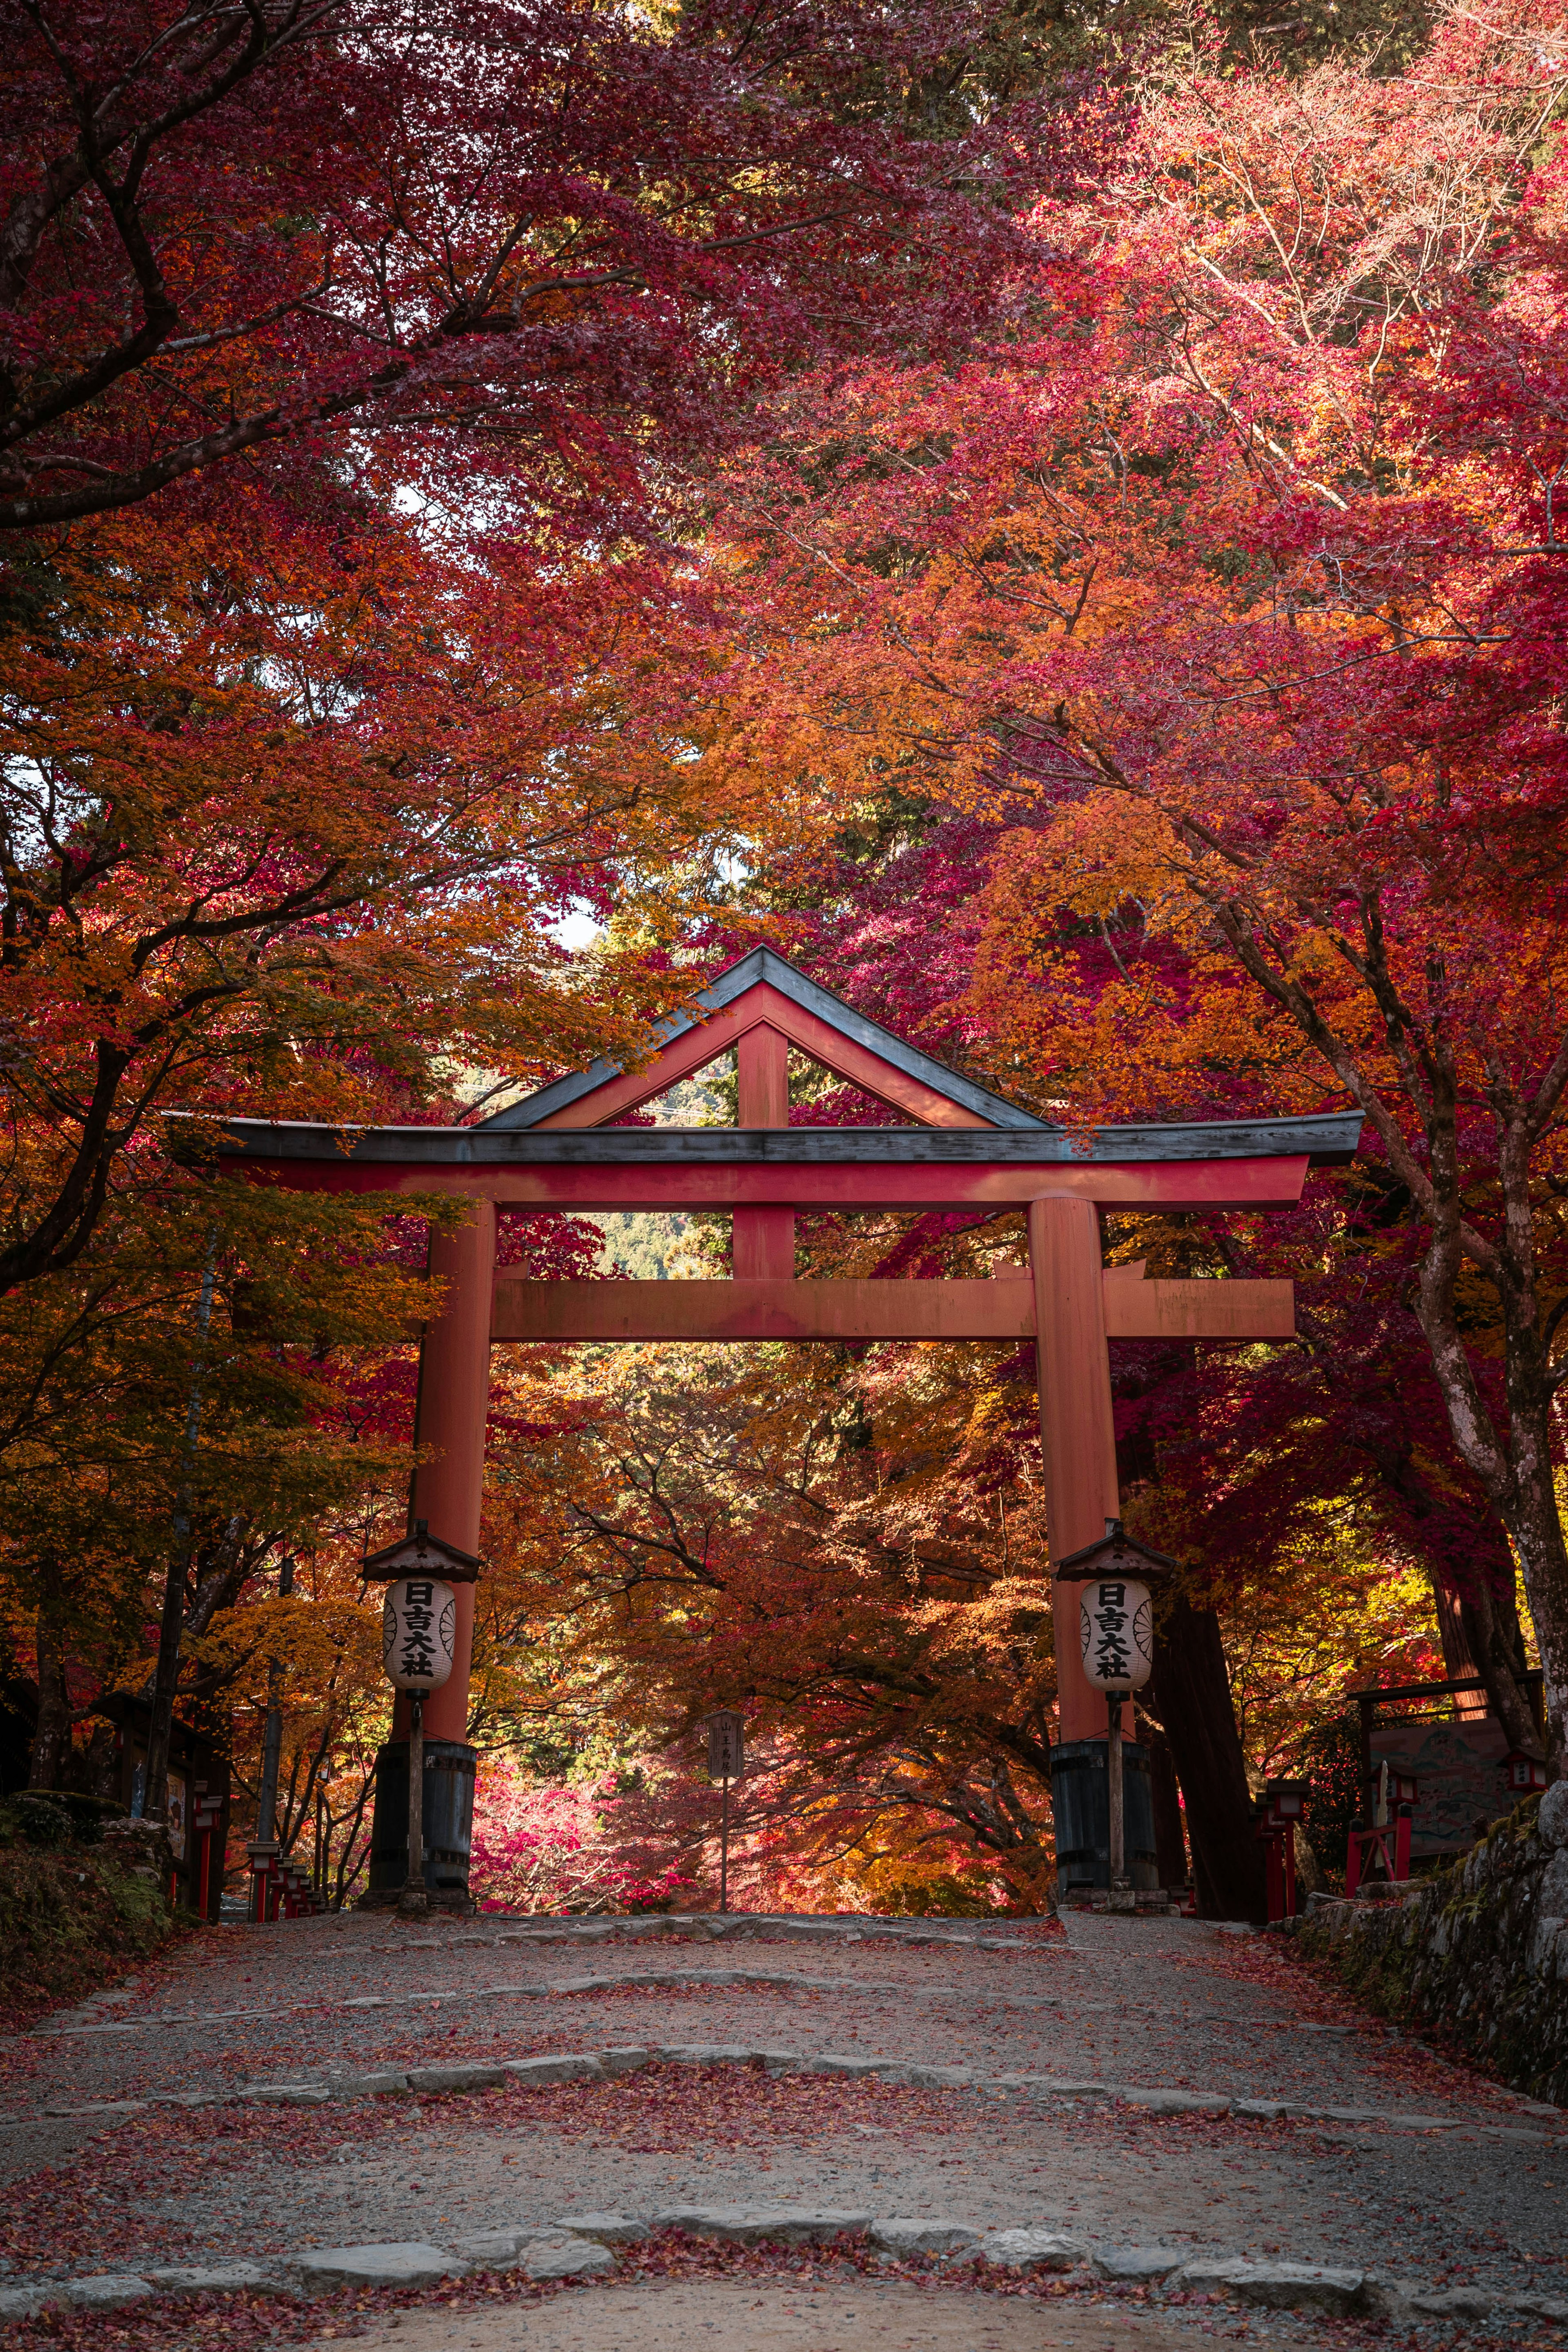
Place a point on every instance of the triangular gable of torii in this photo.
(763, 993)
(760, 1006)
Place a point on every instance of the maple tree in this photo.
(533, 239)
(299, 829)
(157, 1442)
(1235, 606)
(470, 291)
(1083, 571)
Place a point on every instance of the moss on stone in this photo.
(70, 1919)
(1460, 1958)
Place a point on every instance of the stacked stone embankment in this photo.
(1477, 1955)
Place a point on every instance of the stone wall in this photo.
(1478, 1955)
(73, 1916)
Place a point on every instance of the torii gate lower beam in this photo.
(1004, 1307)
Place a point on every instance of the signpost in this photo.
(726, 1762)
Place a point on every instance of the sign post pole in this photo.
(1116, 1635)
(726, 1762)
(724, 1856)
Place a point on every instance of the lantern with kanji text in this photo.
(418, 1651)
(418, 1632)
(1116, 1635)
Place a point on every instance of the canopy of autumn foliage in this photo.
(533, 241)
(1063, 531)
(1228, 614)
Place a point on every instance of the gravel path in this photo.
(784, 2318)
(1448, 2180)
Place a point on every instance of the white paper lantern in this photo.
(1116, 1626)
(418, 1632)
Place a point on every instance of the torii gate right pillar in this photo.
(1077, 1431)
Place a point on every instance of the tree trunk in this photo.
(102, 1759)
(1479, 1630)
(1519, 1476)
(1170, 1838)
(1495, 1641)
(1198, 1716)
(172, 1620)
(1522, 1489)
(1458, 1658)
(52, 1739)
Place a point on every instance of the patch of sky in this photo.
(668, 1246)
(576, 930)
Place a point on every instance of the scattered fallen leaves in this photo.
(247, 2324)
(78, 2209)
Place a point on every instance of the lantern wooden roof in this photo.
(421, 1554)
(1115, 1553)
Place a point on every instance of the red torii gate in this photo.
(970, 1149)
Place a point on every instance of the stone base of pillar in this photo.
(456, 1901)
(450, 1768)
(1080, 1803)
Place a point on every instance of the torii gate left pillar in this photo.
(454, 1406)
(1078, 1428)
(448, 1493)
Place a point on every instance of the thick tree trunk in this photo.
(1209, 1906)
(1519, 1480)
(172, 1621)
(1199, 1720)
(1170, 1838)
(52, 1739)
(100, 1761)
(1479, 1630)
(1537, 1532)
(1482, 1642)
(1493, 1634)
(1458, 1658)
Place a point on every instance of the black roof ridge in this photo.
(765, 963)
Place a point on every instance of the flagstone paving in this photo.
(1432, 2175)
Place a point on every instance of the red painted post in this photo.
(454, 1401)
(761, 1240)
(1401, 1870)
(1078, 1434)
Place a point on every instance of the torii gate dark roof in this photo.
(758, 976)
(551, 1150)
(558, 1150)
